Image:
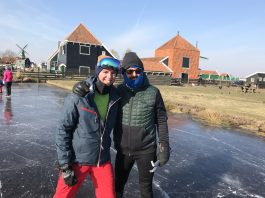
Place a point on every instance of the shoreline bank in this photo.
(222, 108)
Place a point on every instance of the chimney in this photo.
(59, 43)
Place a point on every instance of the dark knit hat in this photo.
(98, 70)
(131, 59)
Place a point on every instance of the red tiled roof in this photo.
(177, 42)
(154, 64)
(82, 35)
(208, 72)
(224, 74)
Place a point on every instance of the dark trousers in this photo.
(123, 166)
(8, 88)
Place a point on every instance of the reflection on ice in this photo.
(7, 113)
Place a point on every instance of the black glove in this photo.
(81, 88)
(68, 175)
(164, 153)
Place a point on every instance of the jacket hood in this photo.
(131, 59)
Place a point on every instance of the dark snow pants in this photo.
(8, 88)
(123, 166)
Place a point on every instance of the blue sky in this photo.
(229, 32)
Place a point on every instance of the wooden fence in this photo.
(153, 79)
(35, 76)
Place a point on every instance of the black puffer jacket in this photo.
(142, 113)
(80, 137)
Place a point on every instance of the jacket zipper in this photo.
(129, 135)
(102, 134)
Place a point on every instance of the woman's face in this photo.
(107, 76)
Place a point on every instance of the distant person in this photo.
(1, 84)
(199, 80)
(8, 77)
(83, 137)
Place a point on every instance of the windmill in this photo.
(22, 61)
(23, 52)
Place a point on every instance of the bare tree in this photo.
(8, 57)
(128, 50)
(115, 53)
(8, 53)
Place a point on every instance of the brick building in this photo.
(177, 57)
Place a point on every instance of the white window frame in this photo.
(264, 79)
(260, 79)
(84, 67)
(252, 80)
(54, 63)
(52, 68)
(80, 46)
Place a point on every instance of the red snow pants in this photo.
(101, 176)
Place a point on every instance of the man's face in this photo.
(133, 73)
(107, 76)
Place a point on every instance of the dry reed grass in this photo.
(226, 107)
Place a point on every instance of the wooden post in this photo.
(38, 74)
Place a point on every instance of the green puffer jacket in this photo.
(141, 113)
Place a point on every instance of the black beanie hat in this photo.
(131, 59)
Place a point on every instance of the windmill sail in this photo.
(23, 52)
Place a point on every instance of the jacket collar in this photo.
(113, 95)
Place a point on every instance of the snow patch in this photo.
(231, 181)
(236, 188)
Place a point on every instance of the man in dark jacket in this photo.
(141, 115)
(83, 136)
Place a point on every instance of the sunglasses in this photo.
(112, 63)
(130, 71)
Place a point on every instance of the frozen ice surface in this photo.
(205, 161)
